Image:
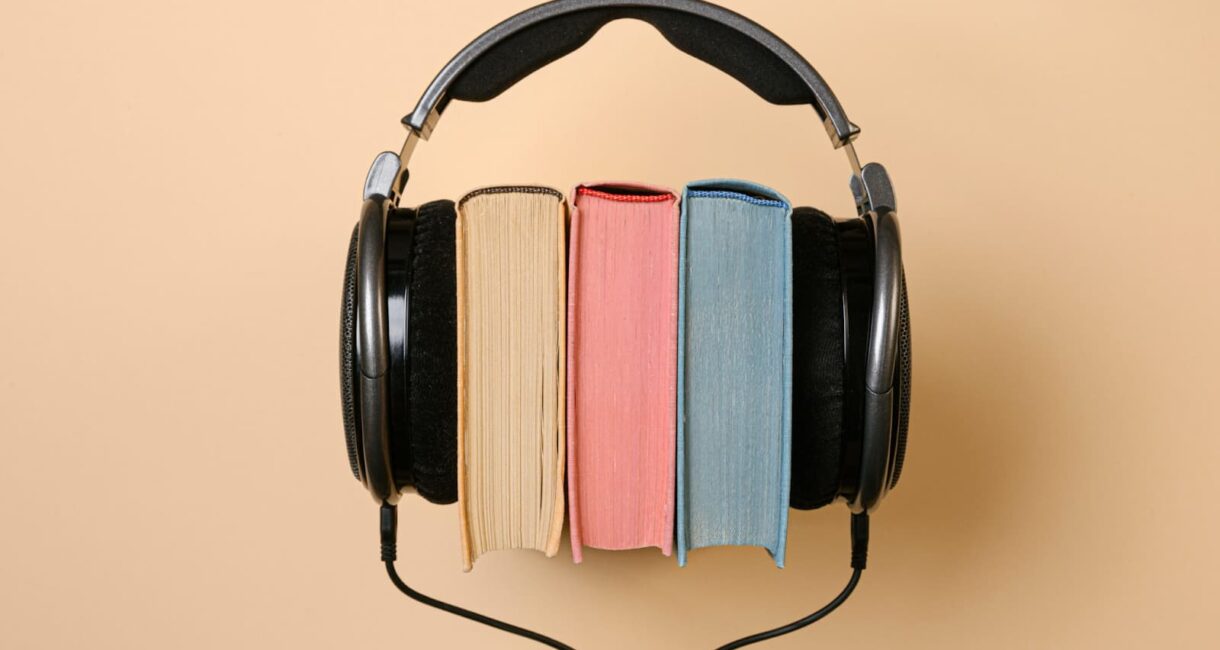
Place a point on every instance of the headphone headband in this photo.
(528, 41)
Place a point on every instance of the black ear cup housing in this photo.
(887, 377)
(372, 352)
(399, 392)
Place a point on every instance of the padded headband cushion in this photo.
(432, 332)
(518, 55)
(818, 365)
(348, 360)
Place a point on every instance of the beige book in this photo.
(511, 309)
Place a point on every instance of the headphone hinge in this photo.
(388, 174)
(871, 187)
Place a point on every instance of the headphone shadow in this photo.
(976, 384)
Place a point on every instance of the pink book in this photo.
(622, 367)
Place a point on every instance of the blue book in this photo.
(734, 367)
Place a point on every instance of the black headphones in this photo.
(851, 346)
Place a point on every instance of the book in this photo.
(734, 368)
(622, 367)
(511, 277)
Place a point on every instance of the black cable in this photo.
(389, 553)
(859, 559)
(796, 625)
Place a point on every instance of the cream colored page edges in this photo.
(511, 358)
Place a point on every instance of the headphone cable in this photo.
(859, 559)
(389, 553)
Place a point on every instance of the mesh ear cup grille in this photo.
(347, 358)
(904, 395)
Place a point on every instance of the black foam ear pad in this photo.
(432, 334)
(818, 361)
(347, 360)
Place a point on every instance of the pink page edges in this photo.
(622, 366)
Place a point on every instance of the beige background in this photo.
(178, 180)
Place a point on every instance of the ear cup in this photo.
(818, 361)
(432, 376)
(348, 386)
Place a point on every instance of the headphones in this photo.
(851, 345)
